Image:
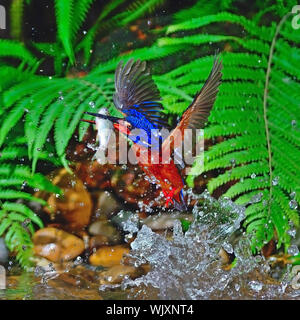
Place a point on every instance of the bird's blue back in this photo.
(139, 121)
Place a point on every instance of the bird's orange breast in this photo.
(166, 174)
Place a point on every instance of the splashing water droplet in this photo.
(292, 233)
(275, 181)
(293, 195)
(255, 285)
(293, 204)
(256, 198)
(293, 250)
(228, 247)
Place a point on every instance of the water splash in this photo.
(189, 266)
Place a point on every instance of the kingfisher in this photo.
(138, 99)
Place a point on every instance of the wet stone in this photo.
(98, 241)
(105, 204)
(116, 274)
(73, 209)
(165, 221)
(106, 230)
(108, 256)
(57, 245)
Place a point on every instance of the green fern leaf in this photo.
(64, 16)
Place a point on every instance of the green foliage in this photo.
(256, 114)
(17, 220)
(255, 118)
(36, 109)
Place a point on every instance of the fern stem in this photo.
(272, 48)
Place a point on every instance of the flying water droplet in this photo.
(292, 232)
(24, 184)
(293, 204)
(292, 195)
(255, 285)
(228, 247)
(256, 198)
(275, 181)
(293, 250)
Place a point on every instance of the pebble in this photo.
(108, 256)
(117, 273)
(73, 209)
(57, 245)
(105, 204)
(106, 229)
(165, 221)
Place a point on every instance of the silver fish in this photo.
(104, 130)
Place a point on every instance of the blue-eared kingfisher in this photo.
(137, 98)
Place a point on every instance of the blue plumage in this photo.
(139, 121)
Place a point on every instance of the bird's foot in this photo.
(169, 196)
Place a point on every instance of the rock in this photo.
(106, 229)
(165, 221)
(72, 210)
(95, 175)
(128, 182)
(117, 273)
(57, 245)
(224, 256)
(105, 204)
(3, 252)
(98, 241)
(108, 256)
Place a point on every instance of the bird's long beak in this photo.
(115, 120)
(110, 118)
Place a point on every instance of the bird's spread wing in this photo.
(198, 112)
(135, 89)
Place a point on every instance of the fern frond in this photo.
(14, 49)
(264, 144)
(80, 11)
(17, 220)
(64, 10)
(139, 7)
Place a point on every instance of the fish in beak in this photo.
(105, 127)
